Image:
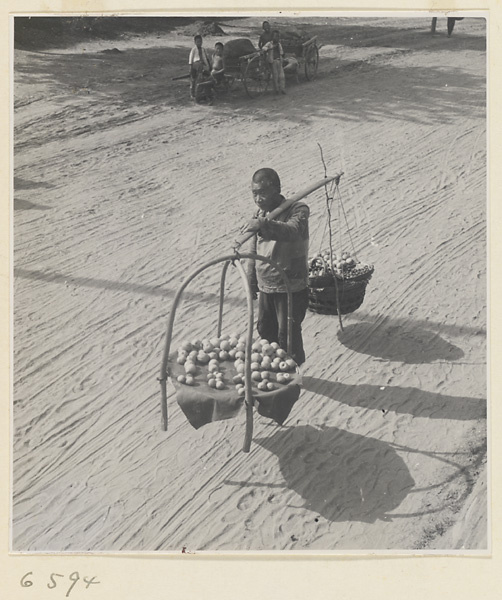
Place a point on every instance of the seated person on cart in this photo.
(200, 68)
(286, 241)
(218, 70)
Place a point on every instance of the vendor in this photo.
(286, 241)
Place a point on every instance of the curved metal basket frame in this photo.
(234, 259)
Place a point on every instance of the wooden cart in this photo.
(254, 72)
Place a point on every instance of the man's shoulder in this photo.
(300, 207)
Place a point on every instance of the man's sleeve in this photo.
(295, 227)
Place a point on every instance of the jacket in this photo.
(286, 241)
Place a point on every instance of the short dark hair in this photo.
(197, 37)
(218, 44)
(268, 175)
(265, 22)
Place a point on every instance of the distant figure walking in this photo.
(450, 24)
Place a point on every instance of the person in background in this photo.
(266, 36)
(275, 56)
(449, 25)
(200, 65)
(218, 70)
(286, 241)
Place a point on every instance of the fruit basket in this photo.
(209, 378)
(337, 284)
(216, 377)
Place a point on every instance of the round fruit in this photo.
(265, 375)
(280, 378)
(291, 363)
(213, 368)
(281, 353)
(215, 341)
(263, 342)
(207, 347)
(266, 362)
(241, 391)
(256, 347)
(212, 382)
(190, 368)
(240, 354)
(213, 355)
(267, 350)
(181, 360)
(193, 354)
(220, 385)
(274, 366)
(237, 379)
(225, 345)
(240, 368)
(232, 353)
(190, 380)
(186, 346)
(275, 345)
(196, 344)
(224, 355)
(255, 366)
(262, 385)
(256, 357)
(256, 376)
(241, 347)
(181, 378)
(270, 386)
(203, 358)
(284, 366)
(286, 377)
(218, 375)
(233, 341)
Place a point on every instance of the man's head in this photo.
(198, 40)
(266, 189)
(276, 35)
(266, 26)
(218, 48)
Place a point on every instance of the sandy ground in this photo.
(122, 187)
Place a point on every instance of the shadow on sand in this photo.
(341, 476)
(403, 400)
(408, 344)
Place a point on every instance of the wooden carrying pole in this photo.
(286, 204)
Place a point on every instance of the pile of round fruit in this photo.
(343, 265)
(219, 362)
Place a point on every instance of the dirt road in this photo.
(122, 187)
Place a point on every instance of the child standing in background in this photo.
(275, 55)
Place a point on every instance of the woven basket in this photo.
(351, 290)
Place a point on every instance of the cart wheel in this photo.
(311, 62)
(256, 76)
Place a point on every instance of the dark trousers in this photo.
(273, 323)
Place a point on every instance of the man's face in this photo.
(265, 195)
(218, 50)
(266, 26)
(275, 37)
(198, 42)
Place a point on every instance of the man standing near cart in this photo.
(285, 240)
